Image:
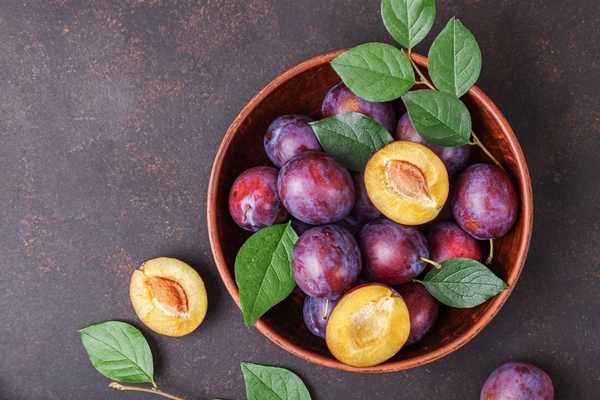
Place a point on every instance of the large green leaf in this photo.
(440, 118)
(375, 71)
(263, 270)
(454, 59)
(408, 21)
(351, 137)
(463, 283)
(119, 351)
(272, 383)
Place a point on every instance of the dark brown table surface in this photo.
(111, 113)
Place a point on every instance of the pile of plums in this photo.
(346, 242)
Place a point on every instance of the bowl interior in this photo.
(301, 90)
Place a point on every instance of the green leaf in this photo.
(375, 71)
(463, 283)
(263, 270)
(408, 21)
(454, 59)
(351, 137)
(266, 383)
(119, 351)
(440, 118)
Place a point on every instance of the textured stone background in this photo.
(112, 111)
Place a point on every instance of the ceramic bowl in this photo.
(301, 90)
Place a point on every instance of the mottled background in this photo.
(111, 113)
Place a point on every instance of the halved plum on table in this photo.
(168, 296)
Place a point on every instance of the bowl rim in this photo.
(526, 198)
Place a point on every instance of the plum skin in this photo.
(316, 188)
(448, 240)
(363, 210)
(517, 380)
(423, 309)
(254, 201)
(454, 158)
(484, 201)
(326, 261)
(289, 135)
(391, 252)
(341, 99)
(316, 312)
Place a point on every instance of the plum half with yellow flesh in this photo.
(368, 325)
(168, 296)
(407, 182)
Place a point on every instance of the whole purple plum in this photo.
(363, 210)
(340, 99)
(517, 380)
(326, 261)
(254, 201)
(454, 158)
(391, 252)
(288, 136)
(423, 309)
(448, 240)
(316, 188)
(316, 311)
(484, 201)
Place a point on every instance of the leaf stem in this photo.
(118, 386)
(477, 142)
(424, 80)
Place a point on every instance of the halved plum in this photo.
(368, 325)
(168, 296)
(407, 182)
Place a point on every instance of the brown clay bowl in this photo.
(301, 90)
